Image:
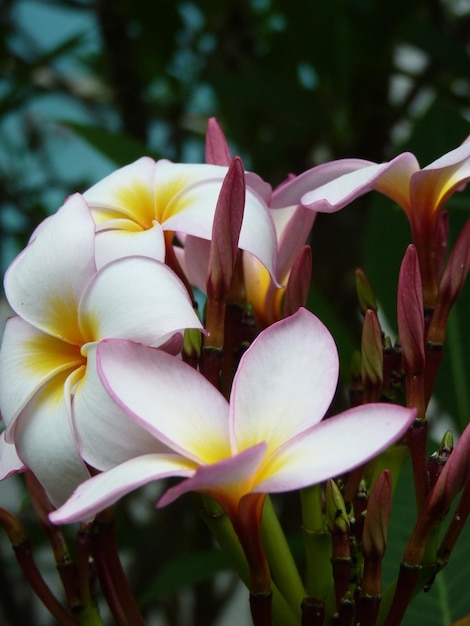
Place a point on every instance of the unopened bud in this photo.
(372, 349)
(364, 292)
(410, 313)
(336, 515)
(374, 538)
(439, 458)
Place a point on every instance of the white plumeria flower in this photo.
(54, 406)
(139, 205)
(269, 438)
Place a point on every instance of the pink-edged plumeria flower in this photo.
(54, 406)
(269, 438)
(136, 205)
(421, 193)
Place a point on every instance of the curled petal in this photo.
(105, 489)
(45, 441)
(167, 397)
(293, 226)
(44, 283)
(28, 360)
(226, 481)
(192, 212)
(116, 243)
(275, 396)
(135, 298)
(126, 192)
(194, 259)
(106, 435)
(336, 445)
(291, 191)
(391, 179)
(435, 183)
(10, 462)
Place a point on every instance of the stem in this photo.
(24, 557)
(283, 568)
(317, 544)
(219, 524)
(261, 609)
(417, 435)
(313, 612)
(407, 579)
(111, 574)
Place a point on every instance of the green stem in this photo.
(317, 544)
(281, 562)
(222, 530)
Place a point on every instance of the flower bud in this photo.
(364, 292)
(410, 313)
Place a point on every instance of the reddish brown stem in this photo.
(116, 588)
(24, 556)
(260, 608)
(313, 612)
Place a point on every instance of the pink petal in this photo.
(135, 298)
(195, 260)
(45, 441)
(285, 382)
(292, 233)
(106, 435)
(168, 398)
(434, 184)
(334, 446)
(291, 191)
(28, 360)
(227, 481)
(391, 179)
(44, 283)
(103, 490)
(217, 149)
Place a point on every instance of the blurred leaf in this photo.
(448, 598)
(185, 570)
(119, 149)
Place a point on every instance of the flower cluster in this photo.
(112, 376)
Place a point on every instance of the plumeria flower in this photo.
(269, 438)
(55, 409)
(140, 205)
(421, 193)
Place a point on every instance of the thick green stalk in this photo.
(281, 562)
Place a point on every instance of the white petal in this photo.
(45, 441)
(192, 212)
(44, 283)
(334, 446)
(135, 298)
(285, 382)
(116, 243)
(106, 435)
(168, 398)
(105, 489)
(10, 462)
(126, 192)
(28, 359)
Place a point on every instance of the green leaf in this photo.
(448, 598)
(120, 149)
(187, 569)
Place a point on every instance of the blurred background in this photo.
(89, 85)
